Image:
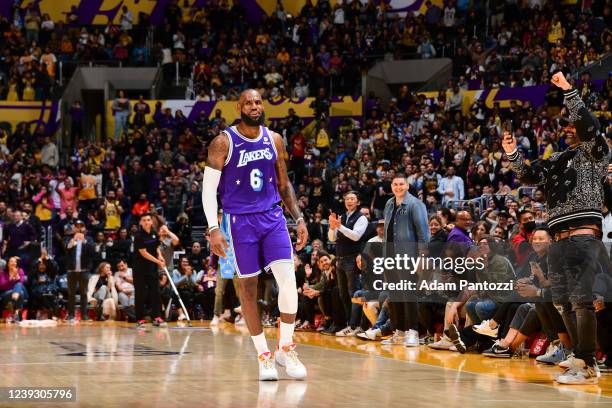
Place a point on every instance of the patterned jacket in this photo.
(572, 179)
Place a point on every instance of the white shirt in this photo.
(123, 284)
(126, 20)
(607, 227)
(166, 56)
(339, 16)
(454, 184)
(354, 234)
(77, 265)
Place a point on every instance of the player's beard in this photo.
(253, 122)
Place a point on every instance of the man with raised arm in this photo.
(572, 180)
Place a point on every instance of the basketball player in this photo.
(244, 164)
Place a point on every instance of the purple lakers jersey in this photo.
(248, 179)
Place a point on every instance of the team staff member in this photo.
(148, 259)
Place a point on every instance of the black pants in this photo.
(306, 308)
(332, 306)
(146, 290)
(503, 316)
(430, 314)
(404, 315)
(552, 323)
(207, 300)
(348, 282)
(81, 279)
(572, 265)
(526, 320)
(604, 330)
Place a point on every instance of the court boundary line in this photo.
(551, 386)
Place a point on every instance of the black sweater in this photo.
(573, 179)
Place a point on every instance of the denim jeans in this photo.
(480, 309)
(356, 318)
(121, 123)
(7, 295)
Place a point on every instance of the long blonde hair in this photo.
(8, 266)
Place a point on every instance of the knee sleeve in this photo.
(284, 273)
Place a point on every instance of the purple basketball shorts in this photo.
(259, 240)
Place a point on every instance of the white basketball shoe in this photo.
(267, 368)
(287, 357)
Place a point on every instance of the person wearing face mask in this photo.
(520, 242)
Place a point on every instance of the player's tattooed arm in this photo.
(217, 152)
(287, 193)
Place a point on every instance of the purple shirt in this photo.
(248, 180)
(460, 236)
(6, 283)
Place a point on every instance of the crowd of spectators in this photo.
(99, 190)
(322, 46)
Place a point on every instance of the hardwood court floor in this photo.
(113, 365)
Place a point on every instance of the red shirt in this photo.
(298, 146)
(521, 250)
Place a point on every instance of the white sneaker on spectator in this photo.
(397, 339)
(287, 357)
(346, 332)
(569, 362)
(485, 329)
(370, 334)
(215, 321)
(555, 353)
(267, 369)
(238, 310)
(240, 321)
(412, 338)
(443, 344)
(572, 362)
(358, 331)
(453, 348)
(578, 374)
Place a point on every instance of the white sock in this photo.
(286, 333)
(260, 343)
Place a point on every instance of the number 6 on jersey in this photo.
(256, 179)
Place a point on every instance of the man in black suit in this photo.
(79, 263)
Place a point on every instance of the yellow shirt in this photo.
(113, 220)
(556, 32)
(42, 212)
(88, 187)
(322, 139)
(29, 94)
